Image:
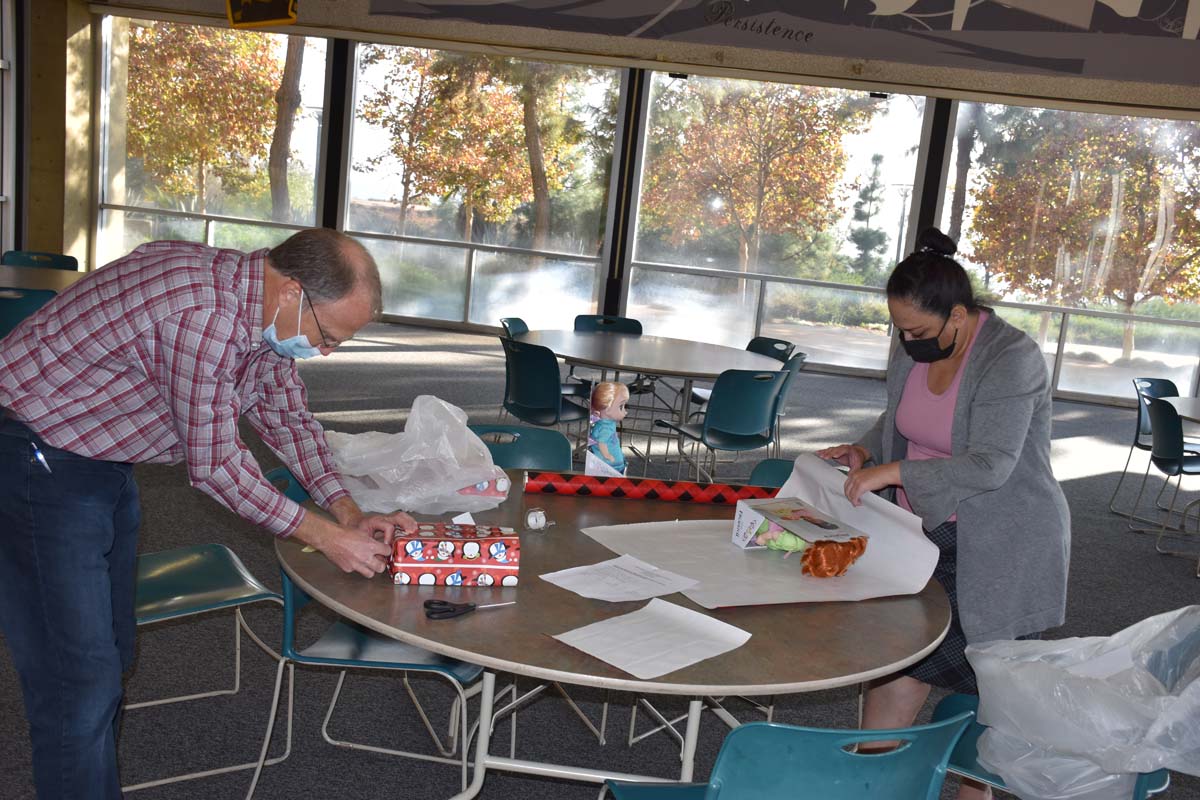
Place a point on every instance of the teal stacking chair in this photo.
(605, 323)
(769, 761)
(1146, 389)
(772, 472)
(523, 447)
(345, 645)
(172, 584)
(515, 326)
(793, 365)
(964, 759)
(1172, 459)
(28, 258)
(740, 416)
(778, 349)
(533, 390)
(17, 304)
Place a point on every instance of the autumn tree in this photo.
(201, 105)
(1097, 210)
(756, 158)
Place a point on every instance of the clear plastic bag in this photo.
(436, 465)
(1074, 718)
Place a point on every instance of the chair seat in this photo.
(657, 791)
(964, 759)
(191, 580)
(349, 645)
(570, 412)
(718, 440)
(701, 396)
(1190, 465)
(581, 389)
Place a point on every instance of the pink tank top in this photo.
(925, 419)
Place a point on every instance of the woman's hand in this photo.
(850, 455)
(871, 479)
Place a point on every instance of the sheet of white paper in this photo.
(464, 518)
(593, 465)
(898, 560)
(658, 638)
(620, 579)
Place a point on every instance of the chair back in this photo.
(778, 349)
(28, 258)
(769, 761)
(772, 472)
(1166, 436)
(592, 323)
(1146, 388)
(513, 326)
(17, 304)
(532, 385)
(522, 447)
(791, 367)
(744, 401)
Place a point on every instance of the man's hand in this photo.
(350, 549)
(383, 526)
(872, 479)
(850, 455)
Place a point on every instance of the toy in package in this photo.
(828, 546)
(450, 554)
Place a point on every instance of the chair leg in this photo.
(1112, 500)
(239, 625)
(266, 745)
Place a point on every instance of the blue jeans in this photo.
(68, 549)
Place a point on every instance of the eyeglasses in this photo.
(325, 340)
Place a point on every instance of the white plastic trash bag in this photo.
(1072, 719)
(436, 465)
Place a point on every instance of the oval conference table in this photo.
(793, 648)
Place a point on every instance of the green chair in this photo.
(769, 761)
(515, 326)
(522, 447)
(1146, 389)
(604, 323)
(778, 349)
(172, 584)
(1172, 459)
(772, 472)
(28, 258)
(345, 645)
(533, 390)
(964, 759)
(740, 417)
(17, 304)
(793, 365)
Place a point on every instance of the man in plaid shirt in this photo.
(154, 358)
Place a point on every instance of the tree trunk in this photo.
(537, 166)
(962, 167)
(1043, 330)
(468, 220)
(1127, 339)
(287, 102)
(201, 181)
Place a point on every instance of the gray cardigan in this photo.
(1014, 528)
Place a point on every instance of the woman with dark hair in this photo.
(964, 443)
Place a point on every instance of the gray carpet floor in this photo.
(1116, 579)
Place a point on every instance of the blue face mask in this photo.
(296, 346)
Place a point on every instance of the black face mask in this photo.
(926, 351)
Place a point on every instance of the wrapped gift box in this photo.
(449, 554)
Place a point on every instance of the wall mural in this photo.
(1141, 40)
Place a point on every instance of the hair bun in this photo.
(933, 240)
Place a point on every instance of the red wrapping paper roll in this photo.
(642, 488)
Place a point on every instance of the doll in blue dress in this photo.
(608, 408)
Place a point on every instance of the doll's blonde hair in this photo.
(607, 393)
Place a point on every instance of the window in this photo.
(210, 135)
(1094, 212)
(760, 201)
(480, 183)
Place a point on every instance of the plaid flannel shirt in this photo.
(154, 358)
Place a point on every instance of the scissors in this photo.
(444, 609)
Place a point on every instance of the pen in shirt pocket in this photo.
(40, 458)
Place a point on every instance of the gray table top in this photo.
(37, 278)
(793, 648)
(652, 355)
